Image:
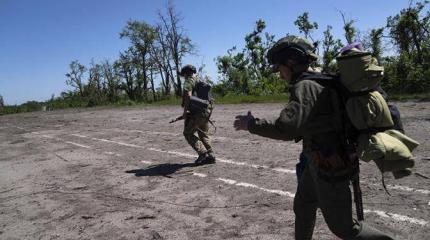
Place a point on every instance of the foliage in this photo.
(410, 32)
(247, 71)
(74, 77)
(176, 43)
(147, 71)
(142, 37)
(1, 102)
(375, 43)
(29, 106)
(349, 30)
(330, 47)
(305, 26)
(236, 99)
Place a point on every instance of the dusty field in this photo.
(125, 173)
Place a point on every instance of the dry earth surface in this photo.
(125, 173)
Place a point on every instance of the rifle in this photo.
(358, 198)
(177, 119)
(188, 114)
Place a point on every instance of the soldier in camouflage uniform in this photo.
(311, 116)
(195, 122)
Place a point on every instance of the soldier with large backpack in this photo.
(314, 115)
(197, 104)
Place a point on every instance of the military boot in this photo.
(210, 158)
(200, 159)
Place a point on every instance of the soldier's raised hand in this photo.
(242, 121)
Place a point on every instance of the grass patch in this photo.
(168, 101)
(228, 99)
(236, 99)
(404, 97)
(278, 98)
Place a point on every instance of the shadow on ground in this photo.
(165, 169)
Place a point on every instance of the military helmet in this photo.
(294, 47)
(187, 70)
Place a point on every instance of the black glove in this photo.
(242, 121)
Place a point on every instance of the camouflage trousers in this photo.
(198, 123)
(335, 201)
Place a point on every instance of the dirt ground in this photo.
(126, 173)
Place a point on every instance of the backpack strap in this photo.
(193, 91)
(361, 93)
(348, 133)
(315, 76)
(374, 130)
(327, 80)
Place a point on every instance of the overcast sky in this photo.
(39, 38)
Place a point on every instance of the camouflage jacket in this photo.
(188, 87)
(190, 83)
(312, 114)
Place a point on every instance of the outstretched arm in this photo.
(291, 122)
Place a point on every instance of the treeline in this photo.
(402, 46)
(148, 70)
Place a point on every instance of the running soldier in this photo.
(197, 111)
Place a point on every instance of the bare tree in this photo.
(95, 80)
(126, 72)
(177, 41)
(152, 71)
(74, 77)
(1, 102)
(111, 81)
(348, 27)
(160, 55)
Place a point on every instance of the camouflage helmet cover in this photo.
(187, 69)
(289, 46)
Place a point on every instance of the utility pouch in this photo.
(332, 161)
(334, 167)
(198, 105)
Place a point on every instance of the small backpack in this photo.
(201, 99)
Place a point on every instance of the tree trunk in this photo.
(154, 98)
(145, 77)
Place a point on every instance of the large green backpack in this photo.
(368, 112)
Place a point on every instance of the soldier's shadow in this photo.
(164, 170)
